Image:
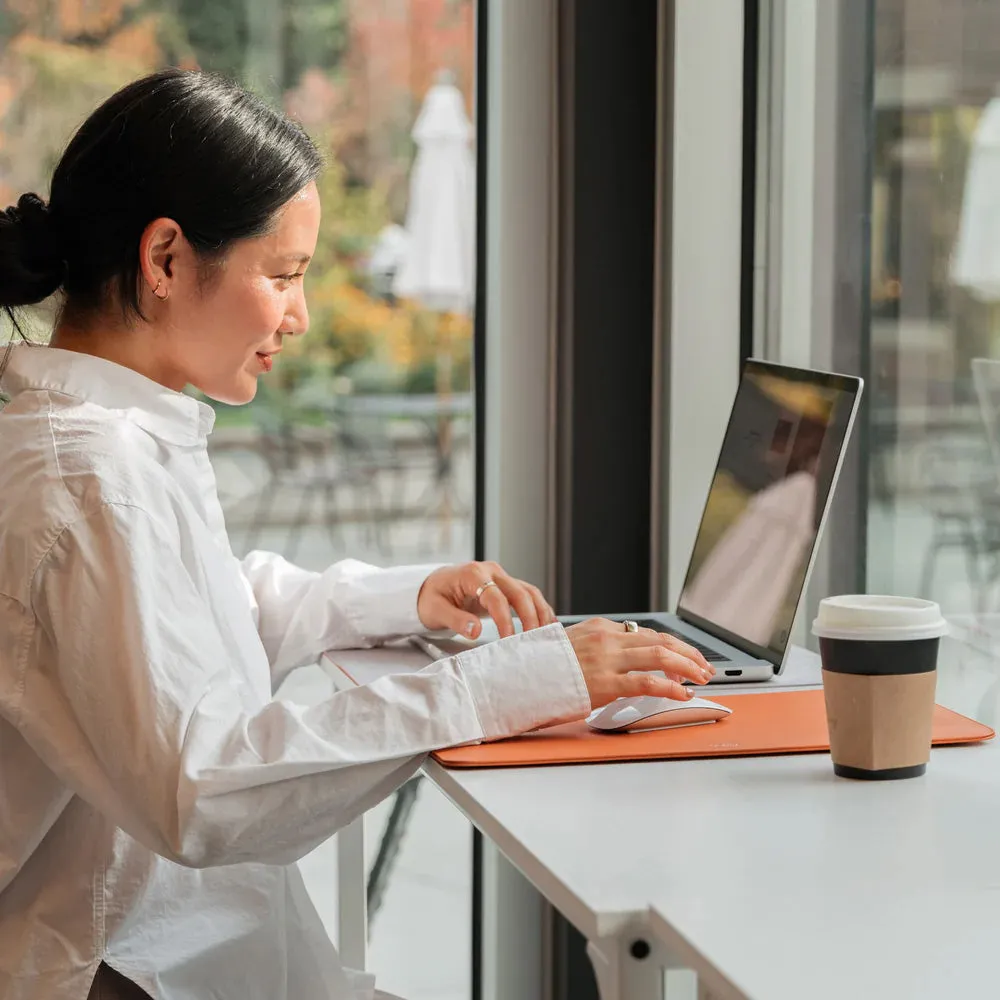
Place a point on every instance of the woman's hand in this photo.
(617, 663)
(456, 597)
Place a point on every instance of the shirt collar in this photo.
(171, 416)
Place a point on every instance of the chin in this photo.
(236, 393)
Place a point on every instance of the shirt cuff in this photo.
(382, 603)
(525, 681)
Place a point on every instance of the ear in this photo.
(158, 247)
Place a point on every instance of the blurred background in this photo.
(362, 433)
(935, 289)
(933, 331)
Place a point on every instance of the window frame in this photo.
(812, 265)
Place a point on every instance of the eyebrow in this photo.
(298, 258)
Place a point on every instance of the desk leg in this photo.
(513, 914)
(632, 967)
(628, 967)
(352, 898)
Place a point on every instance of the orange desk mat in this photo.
(776, 722)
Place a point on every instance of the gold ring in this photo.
(631, 626)
(489, 583)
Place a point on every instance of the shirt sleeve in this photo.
(133, 696)
(301, 614)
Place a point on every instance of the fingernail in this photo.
(470, 629)
(688, 693)
(708, 675)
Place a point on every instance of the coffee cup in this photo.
(879, 677)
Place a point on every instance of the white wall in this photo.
(701, 362)
(792, 344)
(520, 290)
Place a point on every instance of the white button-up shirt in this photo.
(154, 797)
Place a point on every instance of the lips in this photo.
(266, 360)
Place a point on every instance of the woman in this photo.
(154, 795)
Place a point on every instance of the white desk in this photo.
(829, 889)
(563, 828)
(769, 877)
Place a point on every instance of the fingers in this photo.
(457, 619)
(546, 616)
(660, 657)
(496, 605)
(440, 606)
(619, 664)
(520, 598)
(455, 597)
(650, 637)
(639, 684)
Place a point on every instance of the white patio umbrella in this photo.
(438, 266)
(975, 262)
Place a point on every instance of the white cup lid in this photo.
(875, 618)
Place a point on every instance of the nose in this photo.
(296, 320)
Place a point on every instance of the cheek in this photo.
(249, 313)
(264, 306)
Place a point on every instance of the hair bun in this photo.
(31, 261)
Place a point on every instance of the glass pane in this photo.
(934, 505)
(359, 443)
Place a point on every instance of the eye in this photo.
(289, 278)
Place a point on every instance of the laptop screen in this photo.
(779, 462)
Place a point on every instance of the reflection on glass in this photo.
(358, 443)
(778, 462)
(935, 268)
(934, 466)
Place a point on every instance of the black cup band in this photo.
(856, 656)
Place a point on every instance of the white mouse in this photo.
(645, 713)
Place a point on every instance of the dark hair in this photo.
(191, 146)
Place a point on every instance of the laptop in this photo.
(760, 530)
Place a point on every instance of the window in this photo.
(883, 225)
(934, 493)
(360, 442)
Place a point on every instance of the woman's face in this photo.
(222, 335)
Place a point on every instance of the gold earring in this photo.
(159, 281)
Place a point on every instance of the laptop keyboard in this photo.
(712, 655)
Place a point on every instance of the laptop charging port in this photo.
(734, 673)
